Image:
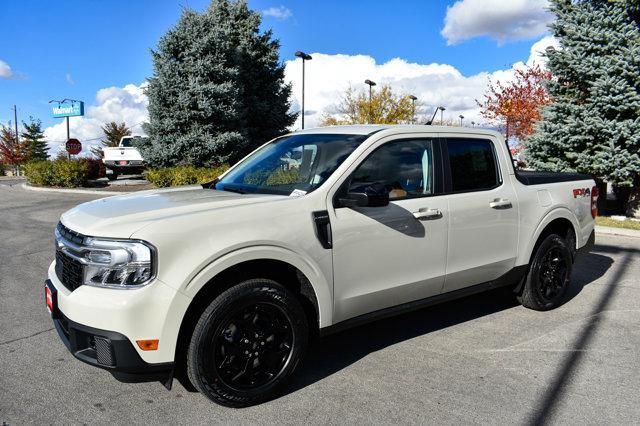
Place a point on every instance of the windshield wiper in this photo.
(232, 189)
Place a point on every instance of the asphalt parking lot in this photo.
(482, 359)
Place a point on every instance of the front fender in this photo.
(321, 285)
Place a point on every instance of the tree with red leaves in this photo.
(516, 105)
(12, 151)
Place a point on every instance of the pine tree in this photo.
(34, 135)
(217, 90)
(113, 132)
(593, 123)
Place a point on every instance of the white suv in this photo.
(226, 283)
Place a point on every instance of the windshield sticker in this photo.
(297, 193)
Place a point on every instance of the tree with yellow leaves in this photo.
(385, 107)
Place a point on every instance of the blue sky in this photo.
(72, 49)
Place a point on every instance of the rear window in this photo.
(473, 165)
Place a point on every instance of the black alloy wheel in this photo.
(549, 275)
(252, 346)
(247, 342)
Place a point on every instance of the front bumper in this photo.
(105, 349)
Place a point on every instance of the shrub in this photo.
(61, 172)
(96, 168)
(185, 175)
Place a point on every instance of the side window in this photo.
(404, 167)
(473, 165)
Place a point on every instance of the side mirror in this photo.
(374, 195)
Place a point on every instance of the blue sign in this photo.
(67, 108)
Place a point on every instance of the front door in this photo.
(386, 256)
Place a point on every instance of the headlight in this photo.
(117, 264)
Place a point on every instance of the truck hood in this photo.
(120, 216)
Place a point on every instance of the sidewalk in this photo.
(606, 230)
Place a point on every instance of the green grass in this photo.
(626, 224)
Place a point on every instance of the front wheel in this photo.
(247, 343)
(549, 275)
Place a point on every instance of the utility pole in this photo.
(15, 120)
(304, 57)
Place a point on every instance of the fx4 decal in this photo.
(581, 192)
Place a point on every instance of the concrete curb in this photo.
(71, 191)
(607, 230)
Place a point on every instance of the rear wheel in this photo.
(549, 275)
(247, 343)
(112, 176)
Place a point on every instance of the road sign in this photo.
(67, 108)
(73, 146)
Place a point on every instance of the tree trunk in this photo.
(633, 202)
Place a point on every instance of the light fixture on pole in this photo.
(370, 84)
(461, 117)
(442, 110)
(473, 124)
(413, 108)
(304, 57)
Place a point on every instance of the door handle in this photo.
(427, 214)
(500, 203)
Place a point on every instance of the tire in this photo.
(112, 176)
(549, 275)
(247, 343)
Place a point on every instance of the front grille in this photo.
(70, 235)
(69, 271)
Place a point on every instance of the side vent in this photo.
(323, 228)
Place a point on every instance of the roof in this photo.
(366, 129)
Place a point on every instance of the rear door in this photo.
(483, 225)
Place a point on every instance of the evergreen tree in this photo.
(113, 132)
(217, 90)
(34, 135)
(593, 123)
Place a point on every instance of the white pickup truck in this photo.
(225, 284)
(123, 159)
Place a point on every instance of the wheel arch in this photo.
(559, 221)
(279, 264)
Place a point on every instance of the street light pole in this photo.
(370, 84)
(461, 117)
(413, 108)
(304, 57)
(442, 109)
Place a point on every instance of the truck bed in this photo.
(529, 177)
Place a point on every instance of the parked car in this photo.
(227, 283)
(123, 159)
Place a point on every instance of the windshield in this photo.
(291, 165)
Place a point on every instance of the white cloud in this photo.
(328, 76)
(498, 19)
(69, 79)
(120, 104)
(538, 49)
(6, 71)
(278, 12)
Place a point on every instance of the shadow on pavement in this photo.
(548, 402)
(335, 352)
